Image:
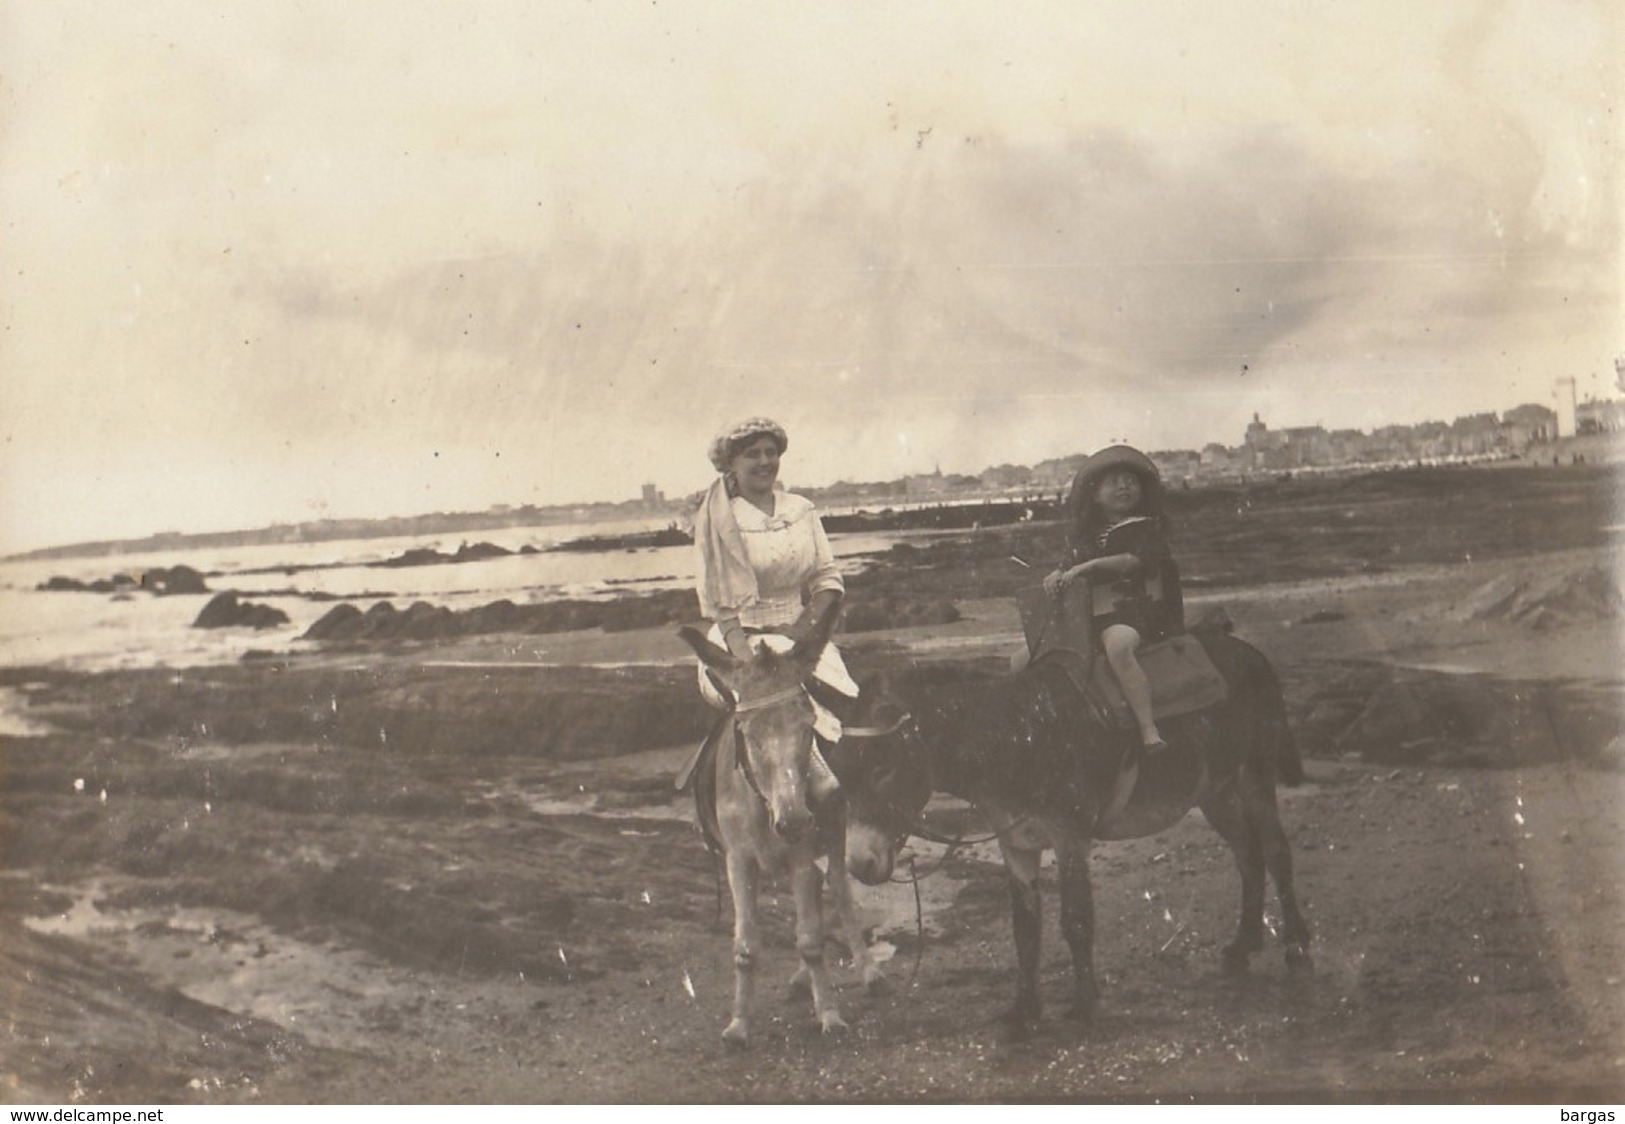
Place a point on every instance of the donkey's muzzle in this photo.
(870, 855)
(794, 825)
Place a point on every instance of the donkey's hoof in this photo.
(830, 1022)
(1016, 1032)
(735, 1035)
(801, 983)
(1019, 1023)
(1298, 960)
(1083, 1011)
(1235, 960)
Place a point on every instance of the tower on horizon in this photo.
(1565, 407)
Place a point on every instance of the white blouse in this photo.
(789, 553)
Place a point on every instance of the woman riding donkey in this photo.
(1117, 540)
(766, 568)
(765, 797)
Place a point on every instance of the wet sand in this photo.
(456, 870)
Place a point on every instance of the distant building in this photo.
(922, 485)
(1219, 459)
(1306, 445)
(652, 496)
(1006, 476)
(1176, 464)
(1258, 437)
(1285, 449)
(1566, 407)
(1475, 435)
(1599, 416)
(1058, 473)
(1526, 425)
(1347, 446)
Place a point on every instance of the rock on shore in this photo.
(225, 611)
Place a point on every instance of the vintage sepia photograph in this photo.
(896, 553)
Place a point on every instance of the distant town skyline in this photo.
(1516, 431)
(1521, 430)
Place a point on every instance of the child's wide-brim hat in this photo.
(1115, 457)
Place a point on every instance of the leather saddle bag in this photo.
(1183, 678)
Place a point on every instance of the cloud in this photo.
(503, 253)
(956, 292)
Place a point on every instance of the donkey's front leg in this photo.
(742, 877)
(1026, 917)
(1078, 924)
(809, 888)
(846, 916)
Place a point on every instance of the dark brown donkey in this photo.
(1032, 756)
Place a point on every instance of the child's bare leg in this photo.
(1120, 642)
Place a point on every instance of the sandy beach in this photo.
(455, 869)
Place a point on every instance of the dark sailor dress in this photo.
(1149, 600)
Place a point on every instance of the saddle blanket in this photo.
(1183, 678)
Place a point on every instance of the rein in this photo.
(952, 841)
(877, 731)
(742, 763)
(913, 825)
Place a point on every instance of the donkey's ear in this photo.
(710, 655)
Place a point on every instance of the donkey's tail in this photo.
(1256, 690)
(1288, 762)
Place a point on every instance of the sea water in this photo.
(83, 630)
(88, 631)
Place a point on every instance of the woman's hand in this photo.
(735, 638)
(821, 604)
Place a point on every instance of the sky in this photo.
(304, 259)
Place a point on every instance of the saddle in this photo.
(1184, 682)
(700, 773)
(1061, 628)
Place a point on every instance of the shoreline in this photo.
(1429, 626)
(407, 870)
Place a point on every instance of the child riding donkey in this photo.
(1117, 541)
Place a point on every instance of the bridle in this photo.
(911, 822)
(891, 809)
(774, 698)
(742, 746)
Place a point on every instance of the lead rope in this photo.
(919, 927)
(716, 866)
(950, 843)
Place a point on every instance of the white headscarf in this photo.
(726, 581)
